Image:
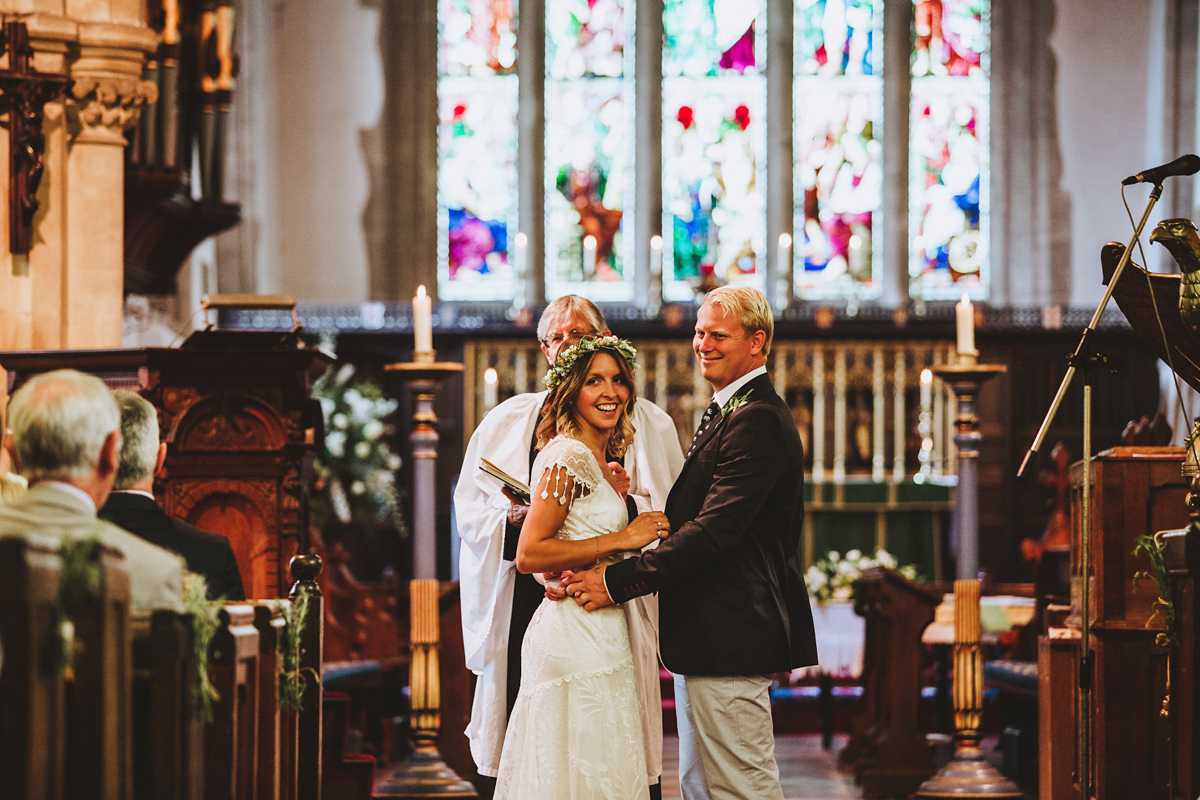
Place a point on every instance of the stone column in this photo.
(106, 99)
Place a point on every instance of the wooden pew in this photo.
(31, 696)
(231, 739)
(168, 739)
(272, 738)
(98, 704)
(894, 757)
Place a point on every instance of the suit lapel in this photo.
(754, 389)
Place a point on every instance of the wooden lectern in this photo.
(241, 428)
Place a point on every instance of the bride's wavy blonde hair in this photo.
(558, 414)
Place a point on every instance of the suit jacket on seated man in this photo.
(132, 505)
(65, 439)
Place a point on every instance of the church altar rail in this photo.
(846, 396)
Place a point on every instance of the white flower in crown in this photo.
(569, 355)
(735, 402)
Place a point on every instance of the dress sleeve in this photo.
(565, 470)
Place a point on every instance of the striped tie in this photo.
(712, 413)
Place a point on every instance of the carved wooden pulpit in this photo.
(241, 428)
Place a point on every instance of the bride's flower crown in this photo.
(569, 355)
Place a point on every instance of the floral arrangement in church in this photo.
(355, 474)
(833, 577)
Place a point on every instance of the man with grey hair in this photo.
(497, 601)
(132, 505)
(65, 439)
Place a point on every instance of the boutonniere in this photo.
(735, 402)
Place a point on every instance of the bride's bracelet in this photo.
(597, 538)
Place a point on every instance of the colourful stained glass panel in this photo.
(949, 37)
(948, 189)
(839, 187)
(477, 187)
(585, 38)
(712, 37)
(478, 37)
(589, 158)
(714, 216)
(837, 37)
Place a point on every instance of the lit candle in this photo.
(423, 321)
(489, 388)
(656, 245)
(520, 243)
(785, 253)
(589, 256)
(964, 316)
(926, 392)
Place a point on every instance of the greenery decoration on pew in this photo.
(81, 575)
(204, 625)
(833, 577)
(1152, 546)
(293, 679)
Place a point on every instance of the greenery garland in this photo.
(205, 621)
(1153, 547)
(80, 576)
(293, 679)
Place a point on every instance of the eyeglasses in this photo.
(555, 339)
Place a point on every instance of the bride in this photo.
(576, 729)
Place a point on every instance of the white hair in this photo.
(59, 421)
(139, 439)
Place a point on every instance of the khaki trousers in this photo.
(726, 740)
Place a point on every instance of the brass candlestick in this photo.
(968, 774)
(424, 773)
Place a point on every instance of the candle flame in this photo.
(589, 242)
(520, 239)
(421, 290)
(926, 376)
(490, 377)
(966, 301)
(785, 240)
(656, 242)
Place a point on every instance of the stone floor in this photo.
(805, 770)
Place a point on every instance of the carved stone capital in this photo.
(108, 93)
(103, 108)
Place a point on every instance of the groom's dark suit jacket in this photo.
(732, 599)
(207, 554)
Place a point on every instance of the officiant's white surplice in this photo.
(503, 437)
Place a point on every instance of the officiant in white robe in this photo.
(504, 437)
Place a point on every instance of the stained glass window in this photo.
(477, 175)
(948, 151)
(838, 172)
(838, 188)
(589, 148)
(714, 144)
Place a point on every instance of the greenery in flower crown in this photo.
(833, 577)
(569, 355)
(356, 471)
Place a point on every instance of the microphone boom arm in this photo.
(1081, 348)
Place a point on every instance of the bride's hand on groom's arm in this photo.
(587, 588)
(645, 528)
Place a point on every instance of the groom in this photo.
(732, 601)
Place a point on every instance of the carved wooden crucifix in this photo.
(27, 91)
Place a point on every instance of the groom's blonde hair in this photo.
(749, 305)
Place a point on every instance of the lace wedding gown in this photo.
(576, 729)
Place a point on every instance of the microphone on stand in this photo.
(1184, 165)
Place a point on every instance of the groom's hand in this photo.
(587, 588)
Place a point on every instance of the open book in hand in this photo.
(519, 488)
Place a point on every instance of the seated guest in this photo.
(12, 485)
(132, 505)
(65, 439)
